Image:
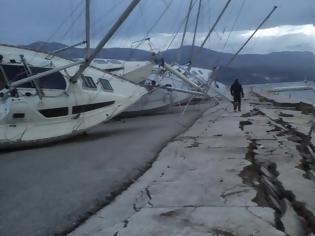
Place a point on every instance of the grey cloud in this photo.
(23, 22)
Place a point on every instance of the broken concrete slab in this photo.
(200, 221)
(213, 178)
(197, 178)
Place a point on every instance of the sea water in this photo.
(306, 95)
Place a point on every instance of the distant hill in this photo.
(126, 54)
(249, 68)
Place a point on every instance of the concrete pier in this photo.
(249, 173)
(51, 189)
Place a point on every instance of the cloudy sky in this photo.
(289, 29)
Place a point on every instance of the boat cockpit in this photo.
(10, 73)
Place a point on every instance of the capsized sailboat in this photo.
(44, 98)
(53, 107)
(161, 95)
(158, 81)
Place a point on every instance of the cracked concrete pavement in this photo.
(50, 189)
(229, 174)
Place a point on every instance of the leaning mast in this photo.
(260, 25)
(106, 38)
(87, 26)
(215, 24)
(195, 33)
(185, 30)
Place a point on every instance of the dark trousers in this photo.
(237, 103)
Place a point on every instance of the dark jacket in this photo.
(237, 90)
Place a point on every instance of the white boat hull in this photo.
(158, 98)
(27, 119)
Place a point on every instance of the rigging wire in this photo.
(110, 10)
(128, 31)
(174, 26)
(72, 24)
(181, 25)
(40, 47)
(165, 3)
(93, 25)
(215, 24)
(72, 13)
(156, 22)
(160, 17)
(252, 35)
(190, 7)
(176, 34)
(142, 15)
(210, 11)
(234, 24)
(232, 29)
(98, 28)
(195, 31)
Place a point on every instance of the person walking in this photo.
(237, 93)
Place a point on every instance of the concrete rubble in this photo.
(249, 173)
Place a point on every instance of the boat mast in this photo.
(87, 26)
(261, 24)
(214, 25)
(184, 33)
(194, 38)
(105, 39)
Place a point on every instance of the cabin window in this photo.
(88, 82)
(52, 81)
(54, 112)
(106, 85)
(90, 107)
(200, 72)
(17, 72)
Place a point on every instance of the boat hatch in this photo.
(18, 72)
(106, 85)
(88, 82)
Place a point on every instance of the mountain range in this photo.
(249, 68)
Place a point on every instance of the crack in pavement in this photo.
(305, 148)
